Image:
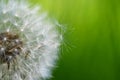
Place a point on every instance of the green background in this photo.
(91, 48)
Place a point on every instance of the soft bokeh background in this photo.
(91, 49)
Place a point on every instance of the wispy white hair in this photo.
(41, 38)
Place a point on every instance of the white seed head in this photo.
(31, 42)
(8, 30)
(17, 40)
(2, 49)
(10, 57)
(4, 38)
(22, 29)
(15, 50)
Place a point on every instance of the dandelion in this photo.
(29, 42)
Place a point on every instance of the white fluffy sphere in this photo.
(39, 36)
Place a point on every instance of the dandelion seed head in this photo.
(8, 30)
(29, 42)
(4, 38)
(2, 49)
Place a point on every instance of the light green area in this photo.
(92, 42)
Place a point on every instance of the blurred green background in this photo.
(91, 48)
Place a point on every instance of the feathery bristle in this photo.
(29, 42)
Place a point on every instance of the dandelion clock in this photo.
(29, 42)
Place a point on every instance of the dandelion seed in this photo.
(29, 42)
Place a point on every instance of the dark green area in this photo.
(91, 49)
